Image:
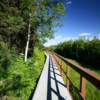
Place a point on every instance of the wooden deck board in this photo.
(51, 85)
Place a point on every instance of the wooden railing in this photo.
(85, 74)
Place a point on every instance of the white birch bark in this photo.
(28, 39)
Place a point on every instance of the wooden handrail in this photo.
(89, 75)
(84, 74)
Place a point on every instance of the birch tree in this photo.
(25, 20)
(28, 38)
(43, 15)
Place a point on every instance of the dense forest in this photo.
(85, 51)
(24, 26)
(23, 22)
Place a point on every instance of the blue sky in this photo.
(82, 18)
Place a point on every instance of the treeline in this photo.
(25, 22)
(85, 51)
(24, 26)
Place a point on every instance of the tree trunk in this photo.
(28, 39)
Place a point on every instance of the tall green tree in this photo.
(43, 14)
(23, 22)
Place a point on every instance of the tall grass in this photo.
(92, 93)
(21, 78)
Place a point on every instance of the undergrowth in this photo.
(17, 78)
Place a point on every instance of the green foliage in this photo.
(75, 78)
(16, 24)
(5, 60)
(85, 51)
(93, 95)
(18, 79)
(88, 53)
(15, 16)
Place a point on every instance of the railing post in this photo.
(61, 67)
(68, 75)
(60, 64)
(56, 59)
(82, 86)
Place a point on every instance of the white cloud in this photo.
(69, 2)
(84, 34)
(58, 39)
(98, 36)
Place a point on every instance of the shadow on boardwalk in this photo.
(51, 85)
(53, 90)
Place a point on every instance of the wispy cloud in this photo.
(84, 34)
(58, 39)
(98, 36)
(69, 2)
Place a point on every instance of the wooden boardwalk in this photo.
(51, 85)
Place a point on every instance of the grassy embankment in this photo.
(92, 93)
(18, 79)
(87, 52)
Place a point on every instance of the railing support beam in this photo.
(82, 86)
(68, 75)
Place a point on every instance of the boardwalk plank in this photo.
(51, 85)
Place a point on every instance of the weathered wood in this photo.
(68, 75)
(82, 86)
(89, 75)
(51, 85)
(85, 74)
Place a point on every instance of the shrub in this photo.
(85, 51)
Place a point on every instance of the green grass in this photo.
(92, 93)
(21, 78)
